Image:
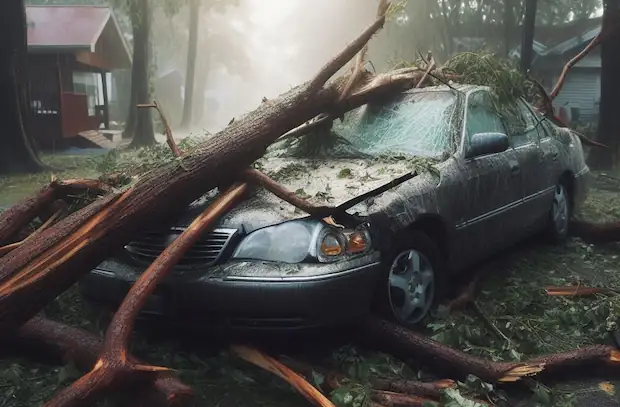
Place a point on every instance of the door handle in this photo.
(515, 169)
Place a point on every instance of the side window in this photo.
(523, 126)
(481, 116)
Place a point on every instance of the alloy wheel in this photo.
(411, 288)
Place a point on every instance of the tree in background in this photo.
(608, 131)
(139, 126)
(195, 82)
(220, 45)
(17, 149)
(527, 40)
(436, 24)
(192, 50)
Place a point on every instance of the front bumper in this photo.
(305, 300)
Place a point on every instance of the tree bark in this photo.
(37, 272)
(608, 132)
(17, 150)
(407, 344)
(529, 26)
(192, 51)
(142, 127)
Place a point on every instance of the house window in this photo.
(88, 84)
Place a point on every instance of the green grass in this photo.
(16, 187)
(511, 297)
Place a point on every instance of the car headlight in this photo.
(303, 241)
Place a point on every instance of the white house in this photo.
(581, 93)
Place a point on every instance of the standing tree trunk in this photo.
(17, 150)
(609, 119)
(201, 76)
(192, 51)
(142, 127)
(529, 25)
(510, 20)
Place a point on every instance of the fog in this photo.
(260, 49)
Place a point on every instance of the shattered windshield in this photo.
(417, 123)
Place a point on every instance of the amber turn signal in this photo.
(357, 242)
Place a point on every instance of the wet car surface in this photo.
(470, 181)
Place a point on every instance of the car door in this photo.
(524, 132)
(490, 186)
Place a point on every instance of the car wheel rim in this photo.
(560, 210)
(411, 288)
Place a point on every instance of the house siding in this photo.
(582, 91)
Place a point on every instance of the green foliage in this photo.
(486, 69)
(134, 163)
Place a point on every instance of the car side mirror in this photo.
(487, 143)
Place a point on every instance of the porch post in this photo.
(106, 106)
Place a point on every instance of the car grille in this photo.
(205, 252)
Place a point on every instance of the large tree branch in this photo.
(349, 52)
(260, 179)
(65, 344)
(408, 344)
(114, 368)
(558, 86)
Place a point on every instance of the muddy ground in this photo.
(520, 321)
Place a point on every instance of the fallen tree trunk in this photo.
(62, 343)
(407, 344)
(36, 272)
(19, 215)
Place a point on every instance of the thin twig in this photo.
(577, 291)
(489, 323)
(167, 130)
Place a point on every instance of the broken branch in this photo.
(576, 291)
(431, 66)
(114, 368)
(117, 337)
(350, 51)
(167, 130)
(558, 86)
(67, 344)
(408, 344)
(260, 179)
(270, 364)
(391, 399)
(6, 249)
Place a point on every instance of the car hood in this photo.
(322, 182)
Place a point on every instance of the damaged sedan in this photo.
(427, 185)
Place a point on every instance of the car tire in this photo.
(559, 214)
(413, 282)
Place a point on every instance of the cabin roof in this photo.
(73, 29)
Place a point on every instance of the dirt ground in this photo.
(517, 320)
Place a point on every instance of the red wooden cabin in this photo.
(71, 50)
